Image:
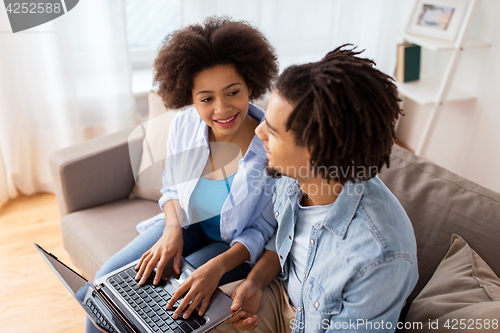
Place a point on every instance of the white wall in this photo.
(466, 139)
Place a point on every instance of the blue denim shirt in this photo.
(247, 214)
(361, 263)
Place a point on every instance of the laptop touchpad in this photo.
(184, 275)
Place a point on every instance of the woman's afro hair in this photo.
(218, 41)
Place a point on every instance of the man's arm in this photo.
(265, 270)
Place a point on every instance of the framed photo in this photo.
(439, 19)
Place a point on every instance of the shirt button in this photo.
(316, 305)
(299, 309)
(304, 275)
(312, 241)
(281, 257)
(277, 214)
(290, 237)
(224, 219)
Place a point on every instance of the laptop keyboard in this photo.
(98, 317)
(149, 302)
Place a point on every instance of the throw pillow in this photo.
(463, 294)
(154, 149)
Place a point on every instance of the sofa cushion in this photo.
(463, 291)
(92, 236)
(154, 150)
(440, 203)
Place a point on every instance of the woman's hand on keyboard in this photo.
(168, 246)
(200, 286)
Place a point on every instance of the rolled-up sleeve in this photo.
(255, 237)
(169, 190)
(271, 243)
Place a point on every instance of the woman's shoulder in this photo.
(187, 118)
(187, 130)
(188, 112)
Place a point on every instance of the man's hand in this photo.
(200, 286)
(248, 296)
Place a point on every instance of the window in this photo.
(148, 22)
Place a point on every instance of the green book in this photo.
(408, 62)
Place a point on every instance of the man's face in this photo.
(283, 154)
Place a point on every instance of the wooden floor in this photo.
(32, 298)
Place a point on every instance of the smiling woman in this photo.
(220, 95)
(210, 216)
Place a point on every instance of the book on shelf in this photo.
(408, 62)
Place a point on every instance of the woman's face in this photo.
(220, 95)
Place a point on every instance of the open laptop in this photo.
(116, 303)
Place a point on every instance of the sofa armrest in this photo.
(94, 172)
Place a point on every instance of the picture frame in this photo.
(440, 19)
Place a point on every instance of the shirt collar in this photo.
(202, 135)
(342, 212)
(256, 145)
(292, 186)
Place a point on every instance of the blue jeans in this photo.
(198, 249)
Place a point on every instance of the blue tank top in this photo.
(207, 199)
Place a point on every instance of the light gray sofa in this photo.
(93, 181)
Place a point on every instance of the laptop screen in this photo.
(75, 283)
(82, 290)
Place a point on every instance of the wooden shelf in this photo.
(424, 92)
(439, 45)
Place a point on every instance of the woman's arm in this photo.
(249, 245)
(233, 257)
(169, 245)
(204, 280)
(259, 231)
(171, 242)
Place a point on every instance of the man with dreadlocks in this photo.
(344, 252)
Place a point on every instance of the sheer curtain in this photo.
(61, 83)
